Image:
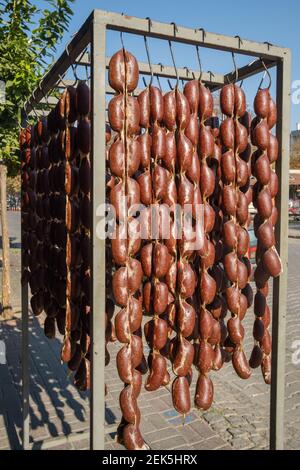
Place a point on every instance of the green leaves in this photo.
(28, 38)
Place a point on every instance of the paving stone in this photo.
(211, 417)
(182, 447)
(209, 444)
(180, 421)
(155, 436)
(158, 421)
(237, 432)
(220, 426)
(241, 443)
(147, 427)
(168, 444)
(82, 444)
(202, 429)
(190, 434)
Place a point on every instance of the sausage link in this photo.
(235, 174)
(155, 255)
(124, 160)
(264, 192)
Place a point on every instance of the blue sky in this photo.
(274, 21)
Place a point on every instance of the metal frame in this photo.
(93, 32)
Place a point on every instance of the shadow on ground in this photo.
(56, 406)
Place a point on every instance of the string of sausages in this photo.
(235, 139)
(124, 119)
(207, 283)
(264, 192)
(187, 174)
(53, 208)
(154, 254)
(109, 304)
(80, 204)
(218, 306)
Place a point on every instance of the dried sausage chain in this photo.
(162, 150)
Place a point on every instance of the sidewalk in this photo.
(59, 414)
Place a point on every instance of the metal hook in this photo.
(158, 81)
(44, 96)
(149, 60)
(170, 84)
(240, 40)
(62, 81)
(266, 72)
(175, 28)
(149, 23)
(157, 76)
(187, 71)
(200, 63)
(235, 67)
(72, 66)
(269, 44)
(33, 108)
(88, 77)
(203, 33)
(211, 74)
(122, 42)
(173, 60)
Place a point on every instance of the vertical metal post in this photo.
(97, 417)
(281, 232)
(25, 344)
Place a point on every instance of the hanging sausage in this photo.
(207, 285)
(265, 190)
(154, 254)
(124, 118)
(187, 188)
(235, 172)
(218, 306)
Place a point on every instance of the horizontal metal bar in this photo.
(216, 81)
(242, 73)
(130, 24)
(168, 71)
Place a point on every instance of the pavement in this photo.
(59, 414)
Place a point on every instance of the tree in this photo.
(28, 38)
(6, 304)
